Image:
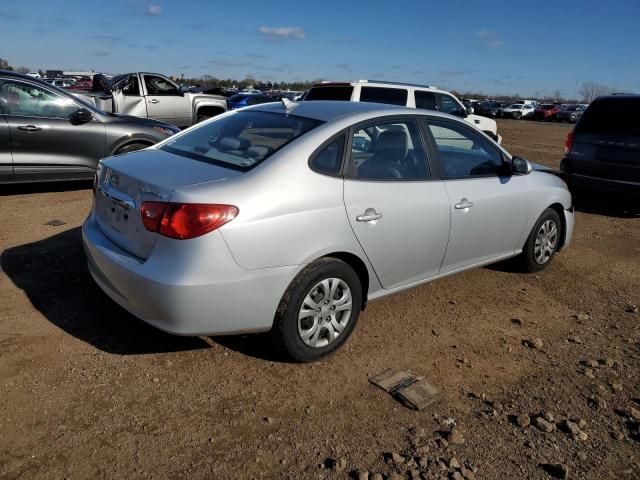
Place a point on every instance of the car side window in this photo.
(391, 96)
(32, 101)
(426, 100)
(388, 151)
(329, 159)
(447, 103)
(157, 85)
(131, 86)
(464, 153)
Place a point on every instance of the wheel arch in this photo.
(359, 267)
(559, 209)
(129, 141)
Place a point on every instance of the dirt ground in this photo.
(88, 391)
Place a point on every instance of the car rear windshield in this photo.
(611, 116)
(330, 92)
(242, 140)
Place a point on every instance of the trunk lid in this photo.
(126, 181)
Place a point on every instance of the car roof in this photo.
(381, 84)
(327, 110)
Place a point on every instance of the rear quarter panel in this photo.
(289, 214)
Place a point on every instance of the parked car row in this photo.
(529, 109)
(47, 133)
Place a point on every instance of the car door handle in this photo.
(477, 121)
(369, 215)
(154, 101)
(29, 128)
(464, 204)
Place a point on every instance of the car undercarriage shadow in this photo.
(607, 204)
(44, 187)
(257, 345)
(53, 274)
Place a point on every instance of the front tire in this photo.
(517, 115)
(543, 242)
(318, 311)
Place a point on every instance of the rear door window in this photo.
(391, 96)
(611, 116)
(388, 151)
(426, 100)
(337, 92)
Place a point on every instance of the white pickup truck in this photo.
(154, 96)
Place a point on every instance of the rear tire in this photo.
(543, 242)
(132, 147)
(318, 311)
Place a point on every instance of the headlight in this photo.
(166, 130)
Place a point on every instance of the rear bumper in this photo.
(616, 186)
(186, 289)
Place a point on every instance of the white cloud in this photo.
(283, 32)
(489, 39)
(153, 9)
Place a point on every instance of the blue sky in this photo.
(534, 47)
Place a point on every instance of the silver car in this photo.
(290, 217)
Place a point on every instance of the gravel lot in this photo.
(86, 390)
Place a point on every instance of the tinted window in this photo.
(241, 140)
(426, 100)
(448, 104)
(463, 152)
(388, 151)
(29, 100)
(392, 96)
(329, 159)
(159, 85)
(131, 86)
(611, 116)
(342, 92)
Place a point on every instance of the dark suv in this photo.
(603, 151)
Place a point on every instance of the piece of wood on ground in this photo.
(417, 395)
(392, 379)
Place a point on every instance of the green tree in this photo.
(4, 64)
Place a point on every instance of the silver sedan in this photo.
(290, 217)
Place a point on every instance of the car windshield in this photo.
(242, 140)
(516, 106)
(546, 107)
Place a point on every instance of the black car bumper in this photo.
(597, 183)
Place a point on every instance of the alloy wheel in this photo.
(546, 241)
(325, 312)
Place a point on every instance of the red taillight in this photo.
(568, 143)
(152, 214)
(185, 220)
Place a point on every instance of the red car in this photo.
(546, 111)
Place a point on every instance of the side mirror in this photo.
(520, 166)
(80, 116)
(470, 110)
